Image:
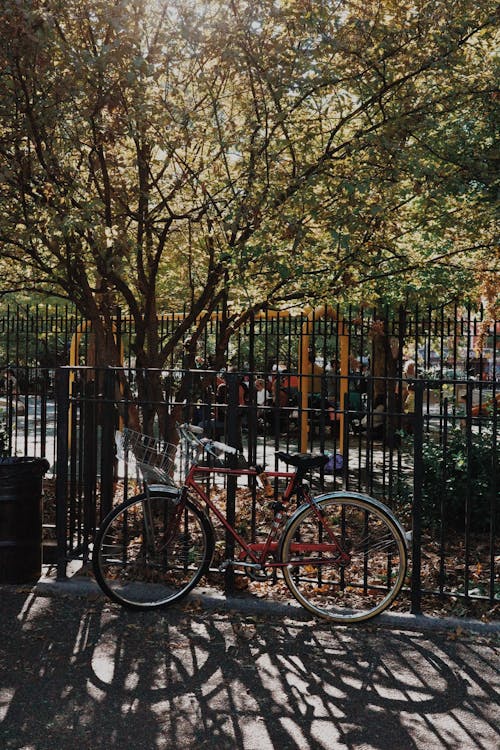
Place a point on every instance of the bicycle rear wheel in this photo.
(359, 589)
(150, 552)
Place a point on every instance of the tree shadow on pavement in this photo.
(88, 674)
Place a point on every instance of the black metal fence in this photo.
(407, 408)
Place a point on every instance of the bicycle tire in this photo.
(365, 586)
(141, 576)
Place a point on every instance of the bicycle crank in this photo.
(254, 571)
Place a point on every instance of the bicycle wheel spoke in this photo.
(366, 584)
(149, 553)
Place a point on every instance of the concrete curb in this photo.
(213, 599)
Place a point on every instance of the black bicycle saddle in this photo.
(304, 461)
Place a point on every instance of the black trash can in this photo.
(21, 519)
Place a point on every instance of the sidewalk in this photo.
(79, 671)
(212, 598)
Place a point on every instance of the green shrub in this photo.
(458, 470)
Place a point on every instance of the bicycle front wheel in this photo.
(150, 552)
(355, 590)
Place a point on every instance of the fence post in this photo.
(344, 425)
(418, 470)
(468, 485)
(233, 438)
(494, 496)
(108, 427)
(62, 434)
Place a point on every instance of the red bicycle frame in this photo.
(258, 552)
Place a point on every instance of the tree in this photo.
(241, 154)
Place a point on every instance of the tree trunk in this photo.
(384, 371)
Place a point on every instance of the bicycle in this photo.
(342, 555)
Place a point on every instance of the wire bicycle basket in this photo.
(153, 457)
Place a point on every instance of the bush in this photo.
(454, 471)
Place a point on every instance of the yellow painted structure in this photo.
(306, 370)
(305, 367)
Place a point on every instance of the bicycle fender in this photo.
(173, 493)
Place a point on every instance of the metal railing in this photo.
(436, 466)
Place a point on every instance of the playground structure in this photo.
(308, 375)
(306, 368)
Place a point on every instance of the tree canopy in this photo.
(171, 153)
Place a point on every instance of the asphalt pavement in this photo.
(79, 671)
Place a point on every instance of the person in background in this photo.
(408, 396)
(216, 426)
(8, 382)
(263, 398)
(372, 424)
(262, 395)
(332, 381)
(9, 388)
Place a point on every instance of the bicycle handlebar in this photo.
(192, 432)
(219, 446)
